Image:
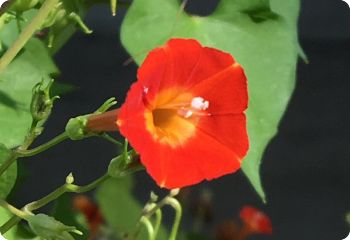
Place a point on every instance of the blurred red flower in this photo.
(90, 211)
(185, 114)
(255, 220)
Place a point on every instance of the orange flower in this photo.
(185, 114)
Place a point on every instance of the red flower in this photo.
(255, 220)
(90, 211)
(185, 114)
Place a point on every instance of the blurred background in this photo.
(306, 167)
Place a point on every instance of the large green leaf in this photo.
(120, 209)
(263, 41)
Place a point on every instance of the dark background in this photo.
(305, 169)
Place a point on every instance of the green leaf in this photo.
(261, 40)
(119, 207)
(8, 178)
(49, 228)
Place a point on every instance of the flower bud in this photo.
(75, 128)
(6, 18)
(70, 178)
(124, 164)
(42, 103)
(23, 5)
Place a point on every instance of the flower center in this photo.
(173, 120)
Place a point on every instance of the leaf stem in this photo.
(67, 187)
(27, 33)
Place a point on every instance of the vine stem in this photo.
(19, 213)
(178, 214)
(22, 152)
(27, 33)
(148, 225)
(67, 187)
(56, 140)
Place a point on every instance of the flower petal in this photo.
(181, 62)
(202, 157)
(226, 91)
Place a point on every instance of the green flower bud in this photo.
(65, 13)
(23, 5)
(76, 128)
(42, 103)
(6, 18)
(70, 178)
(117, 167)
(124, 165)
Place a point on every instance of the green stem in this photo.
(28, 153)
(27, 33)
(81, 189)
(12, 209)
(178, 214)
(158, 221)
(51, 197)
(113, 4)
(159, 205)
(147, 223)
(9, 224)
(29, 139)
(110, 139)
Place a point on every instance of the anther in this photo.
(199, 103)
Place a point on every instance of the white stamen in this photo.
(145, 90)
(199, 103)
(185, 112)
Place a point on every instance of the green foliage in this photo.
(31, 66)
(49, 228)
(260, 35)
(8, 178)
(120, 209)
